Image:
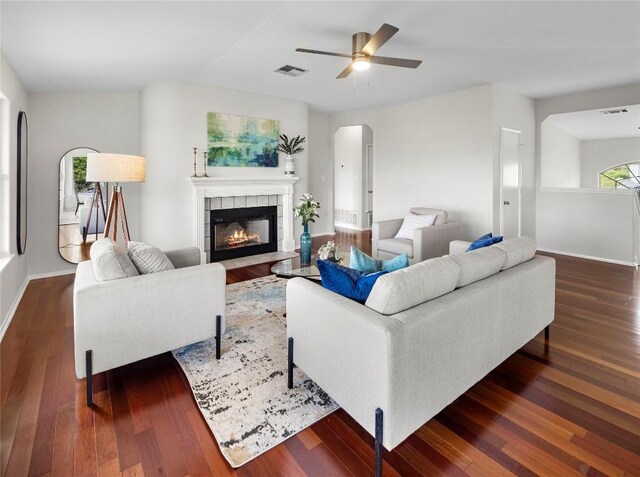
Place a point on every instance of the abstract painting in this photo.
(237, 141)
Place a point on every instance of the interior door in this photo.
(511, 183)
(369, 185)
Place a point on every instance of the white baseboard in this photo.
(37, 276)
(323, 234)
(16, 302)
(588, 257)
(14, 307)
(351, 227)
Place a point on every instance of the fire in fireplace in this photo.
(241, 232)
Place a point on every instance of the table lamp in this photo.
(106, 167)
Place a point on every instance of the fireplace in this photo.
(243, 231)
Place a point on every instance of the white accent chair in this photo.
(118, 322)
(428, 242)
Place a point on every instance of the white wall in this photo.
(13, 269)
(437, 152)
(173, 118)
(600, 154)
(516, 111)
(320, 160)
(558, 212)
(559, 158)
(58, 122)
(588, 223)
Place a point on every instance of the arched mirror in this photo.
(21, 170)
(82, 207)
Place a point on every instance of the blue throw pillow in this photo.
(484, 241)
(396, 263)
(364, 263)
(359, 260)
(347, 282)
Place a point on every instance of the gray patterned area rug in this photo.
(244, 396)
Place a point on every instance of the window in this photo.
(5, 182)
(624, 176)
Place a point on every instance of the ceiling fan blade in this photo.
(380, 37)
(346, 72)
(318, 52)
(402, 62)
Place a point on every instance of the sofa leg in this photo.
(218, 335)
(290, 365)
(546, 333)
(89, 373)
(378, 443)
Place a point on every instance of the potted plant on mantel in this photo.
(290, 147)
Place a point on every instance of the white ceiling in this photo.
(592, 124)
(536, 48)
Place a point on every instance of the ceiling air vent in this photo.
(615, 111)
(290, 70)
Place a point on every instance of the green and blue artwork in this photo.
(237, 141)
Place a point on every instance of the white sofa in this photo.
(118, 322)
(426, 334)
(428, 242)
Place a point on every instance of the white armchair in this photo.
(428, 242)
(119, 322)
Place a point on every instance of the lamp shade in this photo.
(105, 167)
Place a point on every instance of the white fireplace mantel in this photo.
(207, 187)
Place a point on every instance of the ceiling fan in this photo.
(363, 48)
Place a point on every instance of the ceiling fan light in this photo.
(361, 64)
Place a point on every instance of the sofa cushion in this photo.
(358, 260)
(412, 222)
(396, 246)
(110, 261)
(148, 258)
(479, 264)
(441, 215)
(518, 250)
(406, 288)
(457, 247)
(346, 281)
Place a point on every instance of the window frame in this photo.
(618, 181)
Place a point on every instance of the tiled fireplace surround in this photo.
(232, 193)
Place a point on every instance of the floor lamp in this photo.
(97, 203)
(116, 168)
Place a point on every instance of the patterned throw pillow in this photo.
(147, 258)
(412, 222)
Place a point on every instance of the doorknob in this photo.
(506, 202)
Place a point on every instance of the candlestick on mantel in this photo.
(204, 165)
(195, 154)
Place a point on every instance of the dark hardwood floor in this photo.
(572, 408)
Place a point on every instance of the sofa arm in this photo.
(184, 257)
(383, 230)
(433, 241)
(130, 319)
(458, 247)
(343, 346)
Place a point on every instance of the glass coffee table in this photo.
(291, 267)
